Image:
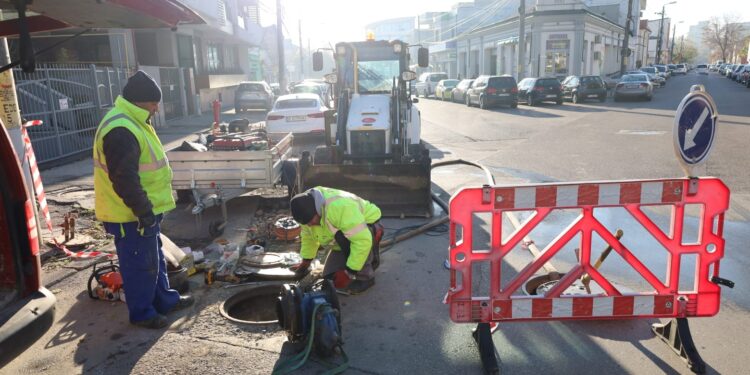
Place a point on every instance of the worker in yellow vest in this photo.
(132, 184)
(351, 224)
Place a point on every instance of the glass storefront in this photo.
(557, 57)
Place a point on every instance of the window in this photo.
(185, 54)
(376, 76)
(231, 58)
(213, 61)
(252, 87)
(296, 103)
(557, 63)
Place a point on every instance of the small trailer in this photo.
(212, 178)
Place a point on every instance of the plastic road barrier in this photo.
(665, 300)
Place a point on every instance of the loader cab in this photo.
(377, 151)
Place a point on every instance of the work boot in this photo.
(359, 286)
(183, 303)
(157, 322)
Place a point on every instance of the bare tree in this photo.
(723, 34)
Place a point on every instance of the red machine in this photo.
(108, 283)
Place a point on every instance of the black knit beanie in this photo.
(303, 207)
(141, 88)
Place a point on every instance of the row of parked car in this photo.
(489, 90)
(302, 111)
(737, 72)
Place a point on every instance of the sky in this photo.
(325, 21)
(690, 12)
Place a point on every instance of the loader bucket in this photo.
(399, 190)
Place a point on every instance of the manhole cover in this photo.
(255, 305)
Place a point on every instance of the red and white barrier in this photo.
(42, 198)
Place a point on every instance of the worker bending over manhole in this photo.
(352, 224)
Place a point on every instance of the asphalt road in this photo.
(602, 141)
(401, 325)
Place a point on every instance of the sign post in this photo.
(694, 128)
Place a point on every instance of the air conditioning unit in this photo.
(597, 39)
(597, 55)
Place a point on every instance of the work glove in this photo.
(146, 222)
(342, 278)
(301, 268)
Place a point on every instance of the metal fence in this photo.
(70, 99)
(171, 89)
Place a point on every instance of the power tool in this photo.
(108, 283)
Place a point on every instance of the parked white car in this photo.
(427, 83)
(680, 69)
(701, 69)
(298, 114)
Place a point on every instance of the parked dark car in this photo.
(253, 95)
(580, 88)
(27, 308)
(536, 90)
(490, 91)
(737, 74)
(459, 93)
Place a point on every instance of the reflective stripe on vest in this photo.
(147, 167)
(353, 231)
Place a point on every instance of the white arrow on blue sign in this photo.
(695, 127)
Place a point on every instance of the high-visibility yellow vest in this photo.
(153, 166)
(345, 212)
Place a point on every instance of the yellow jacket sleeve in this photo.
(345, 215)
(310, 245)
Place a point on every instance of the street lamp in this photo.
(661, 31)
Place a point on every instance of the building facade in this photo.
(653, 44)
(401, 28)
(641, 45)
(562, 38)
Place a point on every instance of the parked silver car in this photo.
(634, 85)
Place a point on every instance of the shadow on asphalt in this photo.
(106, 341)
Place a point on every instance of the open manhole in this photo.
(541, 284)
(254, 305)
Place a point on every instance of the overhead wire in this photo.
(479, 13)
(486, 12)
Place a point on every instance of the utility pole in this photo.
(280, 47)
(661, 30)
(521, 39)
(625, 48)
(419, 31)
(671, 48)
(301, 54)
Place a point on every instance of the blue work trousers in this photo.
(143, 269)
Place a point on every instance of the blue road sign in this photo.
(695, 127)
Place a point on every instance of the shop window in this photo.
(213, 59)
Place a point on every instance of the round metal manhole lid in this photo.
(263, 260)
